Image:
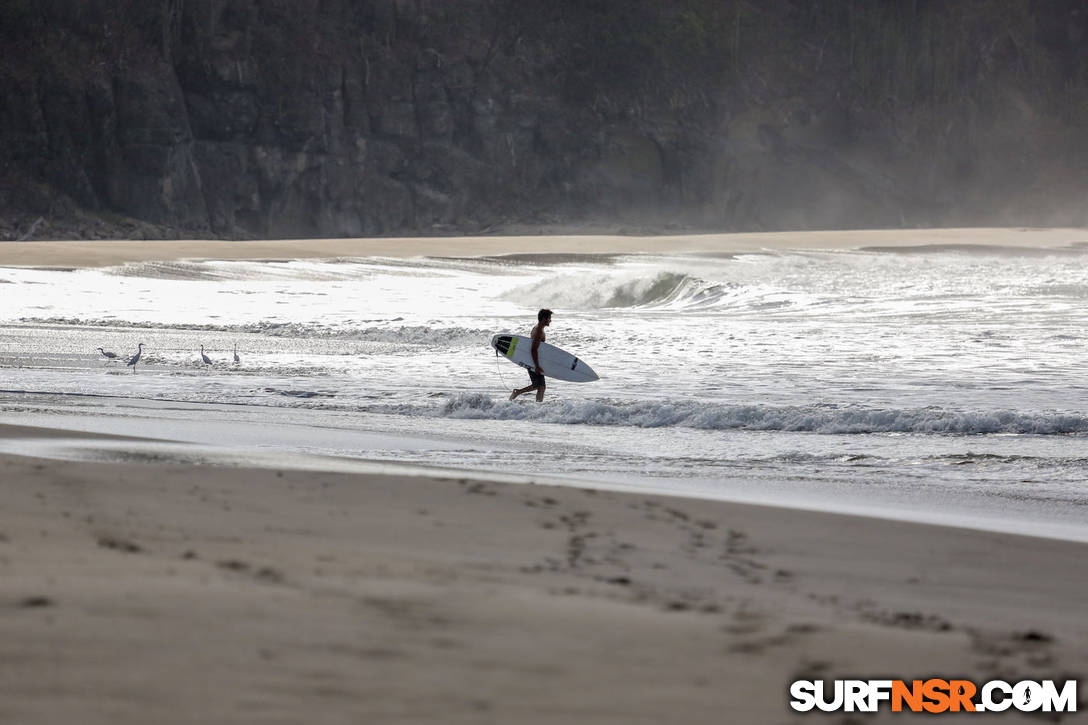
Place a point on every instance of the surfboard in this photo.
(555, 363)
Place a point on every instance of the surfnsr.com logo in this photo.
(933, 696)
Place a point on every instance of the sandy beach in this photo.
(177, 594)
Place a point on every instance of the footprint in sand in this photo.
(119, 544)
(35, 602)
(264, 573)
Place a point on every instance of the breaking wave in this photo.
(591, 291)
(826, 419)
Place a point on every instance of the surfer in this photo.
(536, 377)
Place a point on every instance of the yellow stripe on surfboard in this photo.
(513, 346)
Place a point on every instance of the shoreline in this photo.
(75, 445)
(113, 252)
(277, 594)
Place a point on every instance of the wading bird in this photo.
(136, 358)
(107, 353)
(236, 358)
(207, 360)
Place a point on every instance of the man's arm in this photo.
(538, 333)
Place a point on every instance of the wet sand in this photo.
(137, 593)
(105, 253)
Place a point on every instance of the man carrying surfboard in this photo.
(536, 377)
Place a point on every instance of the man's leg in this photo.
(540, 393)
(526, 390)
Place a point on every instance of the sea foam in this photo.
(828, 419)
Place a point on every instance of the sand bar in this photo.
(136, 593)
(106, 253)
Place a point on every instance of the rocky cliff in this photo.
(280, 118)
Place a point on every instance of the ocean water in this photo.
(938, 385)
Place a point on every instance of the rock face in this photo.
(299, 118)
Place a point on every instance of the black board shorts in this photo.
(536, 378)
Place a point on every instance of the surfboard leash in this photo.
(497, 370)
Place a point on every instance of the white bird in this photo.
(107, 353)
(236, 358)
(136, 358)
(207, 360)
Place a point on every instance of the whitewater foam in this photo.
(831, 419)
(421, 335)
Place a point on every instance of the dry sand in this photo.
(104, 253)
(140, 593)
